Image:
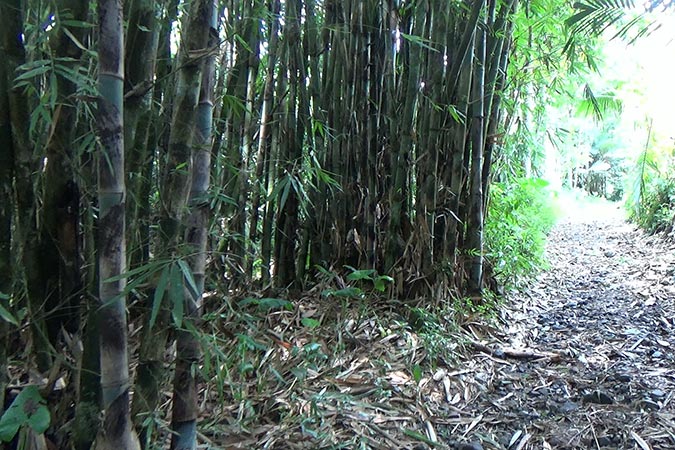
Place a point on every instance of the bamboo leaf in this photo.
(159, 295)
(72, 75)
(364, 274)
(29, 75)
(7, 316)
(420, 437)
(187, 274)
(176, 295)
(53, 92)
(350, 292)
(309, 322)
(267, 304)
(284, 194)
(145, 269)
(418, 40)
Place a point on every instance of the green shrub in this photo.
(656, 206)
(520, 214)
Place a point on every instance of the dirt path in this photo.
(606, 308)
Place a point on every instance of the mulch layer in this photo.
(582, 359)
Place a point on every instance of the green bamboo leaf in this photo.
(76, 77)
(284, 194)
(40, 68)
(309, 322)
(364, 274)
(243, 43)
(420, 437)
(267, 304)
(159, 295)
(418, 40)
(4, 313)
(187, 274)
(176, 295)
(380, 283)
(7, 316)
(53, 91)
(350, 292)
(148, 268)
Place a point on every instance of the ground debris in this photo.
(582, 361)
(606, 306)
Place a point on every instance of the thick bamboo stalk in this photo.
(475, 223)
(175, 188)
(185, 409)
(6, 207)
(141, 52)
(117, 431)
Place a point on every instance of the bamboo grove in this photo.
(234, 146)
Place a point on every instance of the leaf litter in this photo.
(580, 360)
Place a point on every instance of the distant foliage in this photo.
(521, 212)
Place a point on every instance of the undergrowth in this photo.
(655, 208)
(520, 214)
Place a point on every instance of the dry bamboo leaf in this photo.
(515, 438)
(431, 433)
(641, 442)
(472, 425)
(523, 441)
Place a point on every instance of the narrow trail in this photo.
(605, 309)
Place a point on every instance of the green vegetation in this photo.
(521, 213)
(651, 203)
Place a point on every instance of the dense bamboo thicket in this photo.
(235, 146)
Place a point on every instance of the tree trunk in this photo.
(60, 281)
(141, 50)
(6, 178)
(25, 165)
(259, 192)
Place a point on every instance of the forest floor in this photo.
(605, 308)
(582, 359)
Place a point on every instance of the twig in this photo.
(516, 354)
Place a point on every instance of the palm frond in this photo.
(593, 17)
